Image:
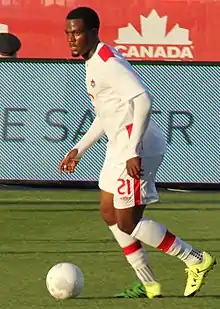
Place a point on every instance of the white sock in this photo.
(156, 235)
(149, 232)
(135, 255)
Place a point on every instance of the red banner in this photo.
(186, 30)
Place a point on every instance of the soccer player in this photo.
(9, 45)
(134, 152)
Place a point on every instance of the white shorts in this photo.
(129, 192)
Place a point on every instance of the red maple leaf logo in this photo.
(92, 83)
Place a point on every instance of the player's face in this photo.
(80, 39)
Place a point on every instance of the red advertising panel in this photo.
(182, 30)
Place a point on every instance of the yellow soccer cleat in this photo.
(153, 290)
(197, 273)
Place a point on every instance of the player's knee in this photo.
(107, 214)
(107, 210)
(126, 226)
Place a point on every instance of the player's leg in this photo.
(155, 234)
(133, 250)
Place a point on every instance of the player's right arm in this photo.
(95, 132)
(126, 83)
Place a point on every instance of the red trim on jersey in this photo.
(105, 53)
(129, 129)
(137, 192)
(132, 248)
(167, 242)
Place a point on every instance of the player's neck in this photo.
(91, 52)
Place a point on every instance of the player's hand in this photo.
(68, 164)
(133, 167)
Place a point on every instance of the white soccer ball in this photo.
(65, 280)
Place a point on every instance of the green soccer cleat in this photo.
(138, 290)
(197, 273)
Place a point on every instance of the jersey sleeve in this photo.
(94, 133)
(123, 79)
(142, 112)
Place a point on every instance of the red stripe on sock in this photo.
(132, 248)
(167, 242)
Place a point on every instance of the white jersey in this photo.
(112, 84)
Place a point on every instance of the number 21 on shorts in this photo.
(124, 186)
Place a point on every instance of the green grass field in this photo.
(40, 228)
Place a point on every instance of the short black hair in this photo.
(88, 15)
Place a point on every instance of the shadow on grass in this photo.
(197, 296)
(158, 299)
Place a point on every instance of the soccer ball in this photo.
(65, 280)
